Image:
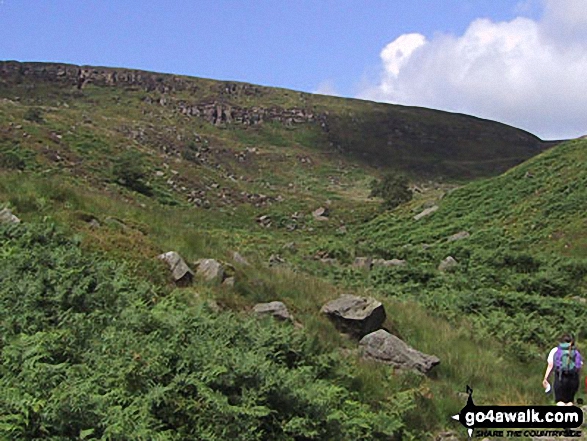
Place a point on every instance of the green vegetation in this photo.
(107, 177)
(393, 189)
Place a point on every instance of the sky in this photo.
(520, 62)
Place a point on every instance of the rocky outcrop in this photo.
(357, 316)
(274, 309)
(384, 347)
(218, 113)
(180, 271)
(6, 216)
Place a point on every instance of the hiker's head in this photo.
(566, 338)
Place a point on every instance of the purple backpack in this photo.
(567, 359)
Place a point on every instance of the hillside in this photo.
(215, 123)
(108, 168)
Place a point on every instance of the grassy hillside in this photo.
(522, 270)
(108, 168)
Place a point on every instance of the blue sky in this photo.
(328, 46)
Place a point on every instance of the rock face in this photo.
(354, 315)
(274, 309)
(6, 216)
(182, 274)
(386, 348)
(426, 212)
(448, 264)
(210, 270)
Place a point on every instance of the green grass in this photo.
(490, 322)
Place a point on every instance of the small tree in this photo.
(129, 170)
(393, 189)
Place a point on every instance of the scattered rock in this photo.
(239, 259)
(210, 270)
(363, 263)
(290, 246)
(388, 263)
(275, 309)
(386, 348)
(115, 222)
(448, 264)
(321, 214)
(341, 230)
(426, 212)
(276, 259)
(264, 221)
(355, 315)
(458, 236)
(6, 217)
(329, 261)
(94, 223)
(182, 274)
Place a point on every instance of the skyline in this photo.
(518, 62)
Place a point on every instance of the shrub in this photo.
(130, 170)
(393, 189)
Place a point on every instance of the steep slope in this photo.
(217, 121)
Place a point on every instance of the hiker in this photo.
(566, 362)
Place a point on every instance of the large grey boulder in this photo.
(6, 216)
(210, 270)
(355, 315)
(181, 272)
(386, 348)
(274, 309)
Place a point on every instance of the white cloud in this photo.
(527, 73)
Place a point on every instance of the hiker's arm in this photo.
(547, 374)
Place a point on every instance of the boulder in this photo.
(384, 347)
(355, 315)
(448, 264)
(210, 270)
(181, 272)
(459, 236)
(388, 263)
(6, 217)
(426, 212)
(274, 309)
(363, 263)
